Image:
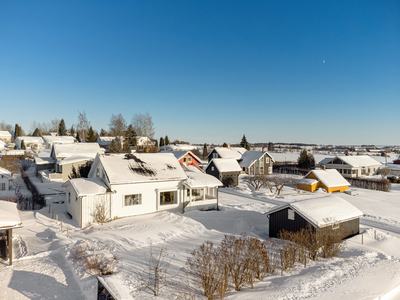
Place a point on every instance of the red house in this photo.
(185, 158)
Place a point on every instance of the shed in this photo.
(320, 212)
(9, 220)
(227, 170)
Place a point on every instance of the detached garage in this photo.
(322, 212)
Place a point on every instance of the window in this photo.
(3, 187)
(212, 168)
(97, 173)
(266, 159)
(290, 214)
(189, 159)
(168, 198)
(133, 200)
(215, 155)
(184, 159)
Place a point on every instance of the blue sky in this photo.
(324, 72)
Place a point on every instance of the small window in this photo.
(266, 159)
(98, 173)
(133, 199)
(3, 187)
(290, 214)
(184, 159)
(189, 159)
(212, 168)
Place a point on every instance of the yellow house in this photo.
(330, 180)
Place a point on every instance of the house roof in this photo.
(44, 160)
(180, 154)
(87, 186)
(325, 160)
(5, 172)
(59, 139)
(322, 211)
(179, 147)
(330, 177)
(141, 167)
(9, 217)
(75, 158)
(357, 161)
(226, 164)
(308, 181)
(30, 139)
(5, 134)
(250, 157)
(201, 180)
(76, 149)
(223, 152)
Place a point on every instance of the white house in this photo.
(5, 136)
(143, 141)
(135, 184)
(354, 166)
(49, 140)
(29, 141)
(5, 179)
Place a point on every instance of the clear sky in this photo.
(324, 72)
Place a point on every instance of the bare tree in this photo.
(54, 125)
(18, 185)
(278, 182)
(117, 125)
(257, 181)
(154, 275)
(26, 164)
(5, 127)
(83, 125)
(101, 213)
(143, 125)
(384, 172)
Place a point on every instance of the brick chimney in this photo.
(229, 146)
(323, 168)
(263, 149)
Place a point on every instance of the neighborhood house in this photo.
(354, 166)
(330, 180)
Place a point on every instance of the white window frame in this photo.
(175, 193)
(136, 199)
(291, 214)
(3, 186)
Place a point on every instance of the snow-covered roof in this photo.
(226, 164)
(87, 186)
(250, 157)
(44, 160)
(76, 158)
(9, 216)
(105, 138)
(180, 154)
(201, 180)
(330, 177)
(358, 161)
(308, 181)
(141, 167)
(58, 139)
(5, 134)
(325, 160)
(180, 147)
(5, 172)
(77, 149)
(192, 168)
(30, 139)
(323, 211)
(235, 153)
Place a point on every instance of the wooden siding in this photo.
(233, 175)
(214, 172)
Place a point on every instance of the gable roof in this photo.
(29, 139)
(322, 211)
(76, 149)
(201, 180)
(5, 172)
(140, 167)
(63, 139)
(9, 217)
(180, 154)
(87, 186)
(329, 177)
(357, 161)
(226, 164)
(5, 134)
(250, 157)
(223, 152)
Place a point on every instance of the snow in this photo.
(9, 216)
(74, 159)
(44, 160)
(359, 161)
(330, 178)
(308, 181)
(5, 134)
(235, 153)
(141, 167)
(180, 154)
(201, 180)
(180, 147)
(77, 149)
(87, 186)
(43, 268)
(58, 139)
(226, 164)
(5, 172)
(324, 211)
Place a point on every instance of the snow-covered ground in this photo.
(43, 268)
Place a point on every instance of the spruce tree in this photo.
(92, 136)
(113, 147)
(78, 137)
(62, 129)
(225, 145)
(129, 134)
(166, 141)
(306, 160)
(37, 132)
(161, 141)
(205, 152)
(244, 143)
(72, 131)
(23, 147)
(103, 132)
(17, 131)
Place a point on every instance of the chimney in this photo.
(263, 149)
(229, 146)
(323, 168)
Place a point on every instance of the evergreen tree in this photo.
(145, 150)
(225, 145)
(161, 141)
(134, 141)
(72, 131)
(17, 131)
(156, 146)
(91, 136)
(166, 141)
(62, 129)
(129, 134)
(37, 132)
(205, 152)
(23, 147)
(244, 143)
(103, 132)
(74, 173)
(306, 160)
(113, 147)
(78, 137)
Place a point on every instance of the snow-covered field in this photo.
(43, 268)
